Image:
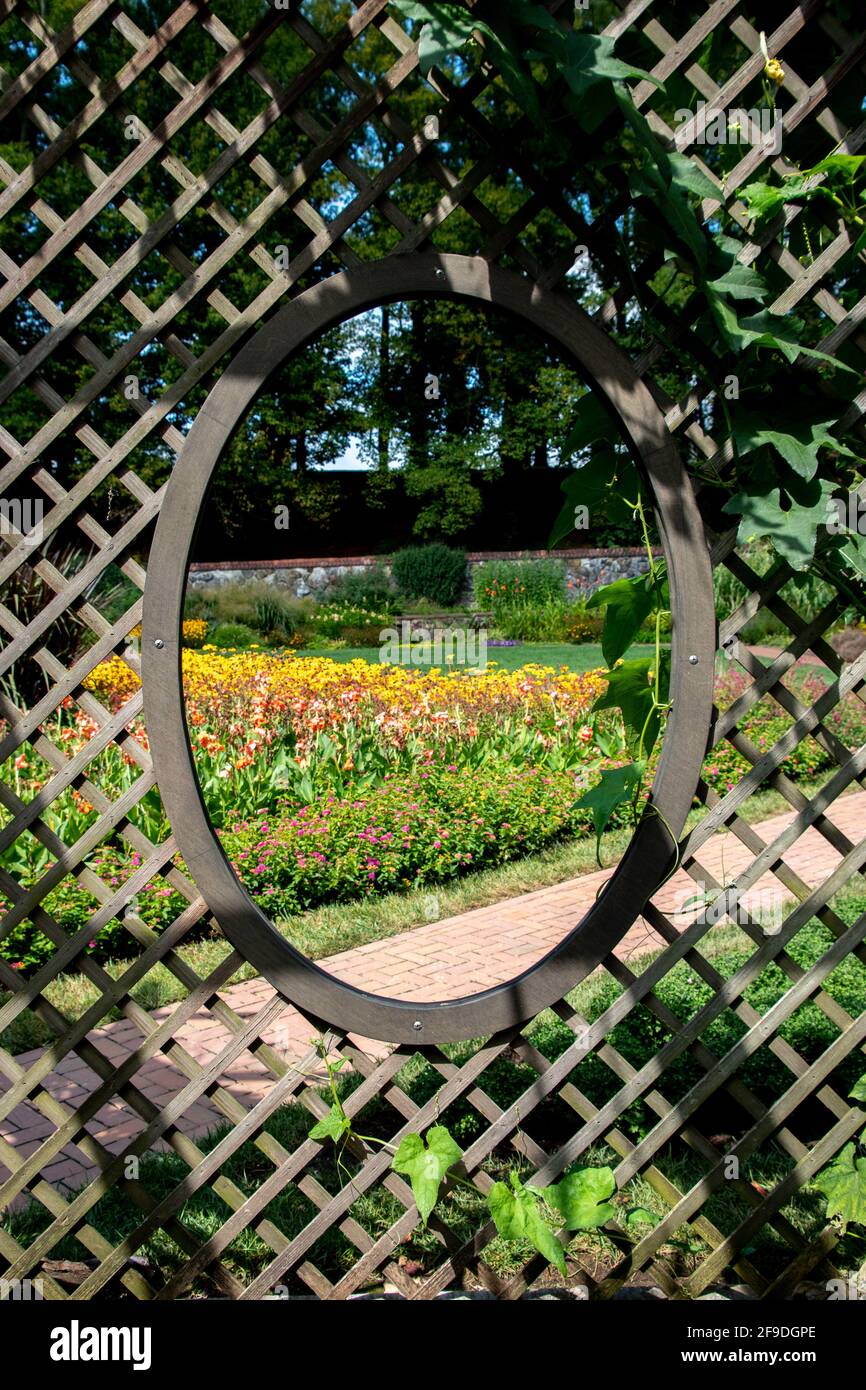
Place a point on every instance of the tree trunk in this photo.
(302, 452)
(383, 446)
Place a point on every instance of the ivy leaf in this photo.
(793, 532)
(426, 1165)
(589, 58)
(858, 1090)
(843, 1183)
(447, 27)
(517, 1214)
(617, 787)
(602, 483)
(629, 688)
(335, 1124)
(585, 487)
(763, 199)
(582, 1198)
(593, 422)
(656, 181)
(798, 444)
(847, 166)
(686, 174)
(741, 282)
(581, 58)
(506, 52)
(764, 330)
(629, 603)
(639, 1216)
(853, 551)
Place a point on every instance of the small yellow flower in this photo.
(772, 67)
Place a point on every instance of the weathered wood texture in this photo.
(193, 350)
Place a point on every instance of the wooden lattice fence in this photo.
(164, 250)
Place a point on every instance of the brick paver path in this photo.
(441, 960)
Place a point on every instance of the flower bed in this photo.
(425, 829)
(329, 782)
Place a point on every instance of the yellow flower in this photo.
(774, 70)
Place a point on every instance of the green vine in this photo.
(843, 1182)
(434, 1165)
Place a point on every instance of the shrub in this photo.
(647, 633)
(424, 607)
(338, 621)
(533, 621)
(197, 605)
(232, 603)
(233, 635)
(639, 1036)
(434, 571)
(364, 635)
(581, 624)
(255, 604)
(517, 581)
(279, 616)
(371, 588)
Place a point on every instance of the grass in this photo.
(326, 930)
(580, 658)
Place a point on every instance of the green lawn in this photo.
(586, 657)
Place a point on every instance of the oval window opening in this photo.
(385, 763)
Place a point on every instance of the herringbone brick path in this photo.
(441, 960)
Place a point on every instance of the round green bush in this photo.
(434, 571)
(233, 635)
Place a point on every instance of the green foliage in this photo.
(799, 444)
(277, 617)
(233, 635)
(807, 593)
(793, 528)
(518, 1214)
(335, 620)
(823, 181)
(683, 992)
(582, 1198)
(631, 688)
(580, 625)
(435, 571)
(543, 621)
(368, 588)
(618, 787)
(335, 1125)
(499, 584)
(579, 1202)
(426, 1165)
(627, 603)
(843, 1183)
(606, 484)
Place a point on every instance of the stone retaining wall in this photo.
(584, 570)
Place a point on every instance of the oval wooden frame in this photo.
(650, 854)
